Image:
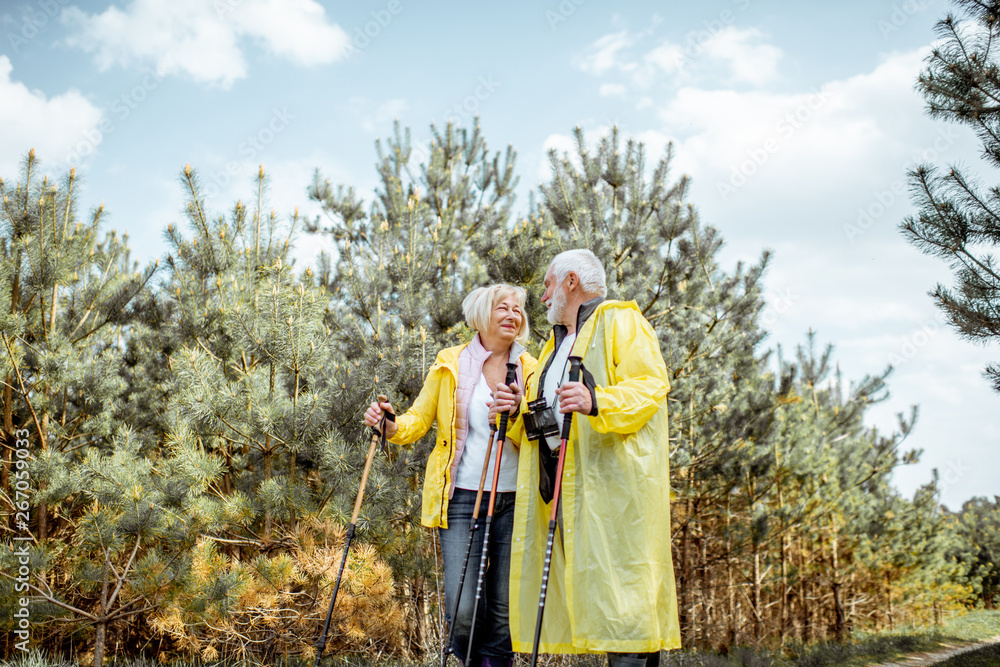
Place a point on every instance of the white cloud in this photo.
(729, 53)
(748, 60)
(202, 39)
(612, 90)
(667, 57)
(606, 54)
(375, 116)
(28, 119)
(841, 135)
(749, 150)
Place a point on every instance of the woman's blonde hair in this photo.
(478, 307)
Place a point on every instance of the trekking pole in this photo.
(509, 380)
(473, 527)
(574, 376)
(377, 435)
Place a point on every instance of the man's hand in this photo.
(374, 413)
(574, 397)
(505, 399)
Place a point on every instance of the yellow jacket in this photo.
(611, 585)
(437, 401)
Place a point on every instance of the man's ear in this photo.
(572, 281)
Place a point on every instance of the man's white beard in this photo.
(557, 304)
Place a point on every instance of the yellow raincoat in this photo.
(437, 401)
(611, 586)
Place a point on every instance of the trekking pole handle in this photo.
(575, 364)
(377, 434)
(504, 416)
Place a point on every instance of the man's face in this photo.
(554, 298)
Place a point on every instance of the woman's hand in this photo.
(505, 399)
(374, 413)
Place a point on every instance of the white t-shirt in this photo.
(470, 466)
(557, 374)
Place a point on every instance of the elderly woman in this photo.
(458, 394)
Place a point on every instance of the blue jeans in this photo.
(492, 636)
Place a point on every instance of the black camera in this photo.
(540, 420)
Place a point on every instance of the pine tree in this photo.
(843, 467)
(978, 551)
(957, 217)
(69, 296)
(258, 384)
(404, 264)
(69, 302)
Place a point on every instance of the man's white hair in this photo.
(585, 265)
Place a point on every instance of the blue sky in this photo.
(796, 121)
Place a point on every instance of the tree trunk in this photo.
(8, 393)
(8, 433)
(803, 598)
(684, 581)
(888, 602)
(267, 476)
(227, 477)
(757, 606)
(730, 585)
(267, 461)
(838, 606)
(707, 594)
(786, 593)
(291, 482)
(101, 625)
(43, 508)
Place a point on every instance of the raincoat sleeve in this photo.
(415, 422)
(640, 376)
(515, 428)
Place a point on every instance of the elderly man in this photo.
(611, 586)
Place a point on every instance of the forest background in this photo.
(187, 440)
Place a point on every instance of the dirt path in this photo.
(936, 656)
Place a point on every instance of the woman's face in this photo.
(505, 320)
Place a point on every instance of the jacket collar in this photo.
(481, 354)
(587, 309)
